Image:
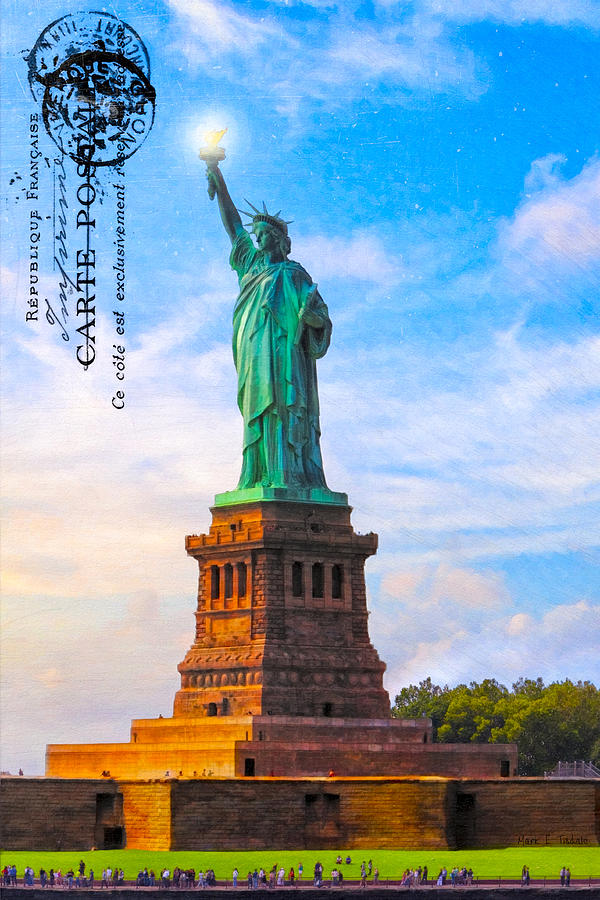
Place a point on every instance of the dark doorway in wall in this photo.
(105, 807)
(113, 837)
(464, 824)
(249, 767)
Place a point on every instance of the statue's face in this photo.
(266, 238)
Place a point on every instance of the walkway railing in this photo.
(577, 769)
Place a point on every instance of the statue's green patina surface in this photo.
(281, 326)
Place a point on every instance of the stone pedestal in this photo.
(281, 680)
(281, 621)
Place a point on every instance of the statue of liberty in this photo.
(280, 328)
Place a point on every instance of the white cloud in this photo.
(79, 472)
(506, 462)
(334, 57)
(445, 586)
(362, 256)
(218, 28)
(50, 678)
(559, 224)
(315, 59)
(520, 624)
(416, 55)
(460, 625)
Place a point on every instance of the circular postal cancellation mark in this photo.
(92, 73)
(98, 108)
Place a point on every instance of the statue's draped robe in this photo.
(275, 357)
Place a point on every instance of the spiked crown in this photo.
(265, 216)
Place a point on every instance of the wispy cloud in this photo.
(335, 54)
(319, 55)
(415, 54)
(216, 28)
(457, 624)
(362, 257)
(506, 461)
(558, 222)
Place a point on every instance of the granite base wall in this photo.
(310, 813)
(528, 812)
(56, 813)
(202, 814)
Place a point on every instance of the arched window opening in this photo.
(317, 580)
(297, 586)
(212, 709)
(337, 581)
(215, 583)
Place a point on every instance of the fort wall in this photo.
(202, 814)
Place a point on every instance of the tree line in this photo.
(550, 723)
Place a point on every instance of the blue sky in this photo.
(441, 165)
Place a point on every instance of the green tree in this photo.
(550, 723)
(559, 722)
(471, 713)
(423, 699)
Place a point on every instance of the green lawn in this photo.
(542, 861)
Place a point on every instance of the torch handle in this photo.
(212, 157)
(212, 165)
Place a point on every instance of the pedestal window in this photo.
(297, 579)
(337, 582)
(215, 583)
(318, 580)
(228, 579)
(242, 579)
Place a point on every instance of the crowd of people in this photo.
(277, 876)
(52, 878)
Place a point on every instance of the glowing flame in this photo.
(212, 138)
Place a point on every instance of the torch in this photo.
(212, 154)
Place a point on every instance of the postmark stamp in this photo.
(100, 101)
(89, 74)
(77, 32)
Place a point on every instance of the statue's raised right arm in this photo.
(229, 214)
